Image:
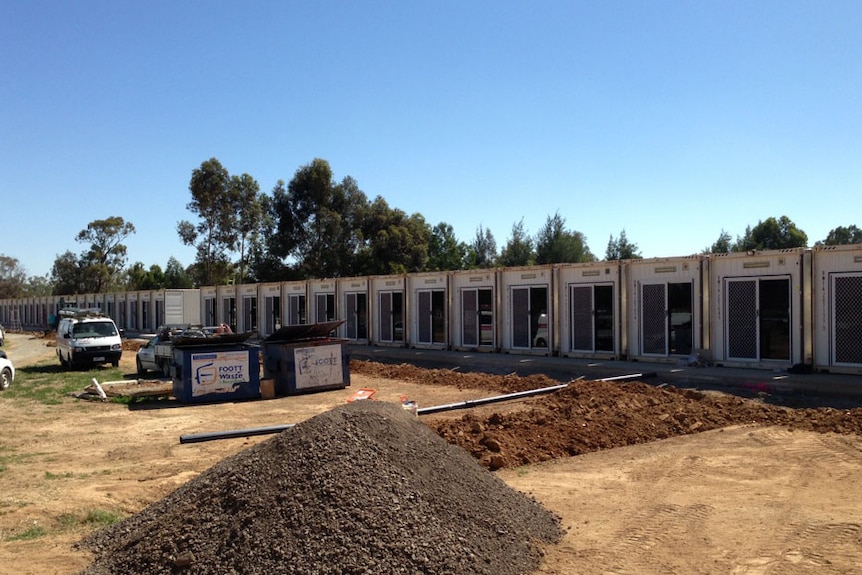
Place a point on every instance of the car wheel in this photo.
(140, 366)
(5, 378)
(166, 368)
(63, 362)
(541, 343)
(115, 363)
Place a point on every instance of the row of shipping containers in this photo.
(770, 309)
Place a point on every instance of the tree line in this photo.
(317, 227)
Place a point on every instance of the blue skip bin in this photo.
(220, 373)
(305, 359)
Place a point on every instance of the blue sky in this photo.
(670, 120)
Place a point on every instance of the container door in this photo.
(530, 320)
(350, 315)
(431, 318)
(654, 319)
(249, 309)
(160, 312)
(424, 316)
(272, 311)
(385, 319)
(774, 304)
(521, 317)
(229, 312)
(391, 317)
(356, 325)
(209, 311)
(603, 301)
(846, 319)
(581, 304)
(680, 300)
(324, 307)
(592, 321)
(470, 317)
(758, 319)
(295, 309)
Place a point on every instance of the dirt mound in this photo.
(363, 488)
(593, 415)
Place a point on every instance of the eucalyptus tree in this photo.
(215, 235)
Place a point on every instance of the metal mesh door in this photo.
(847, 319)
(520, 317)
(350, 315)
(470, 317)
(385, 319)
(742, 319)
(581, 302)
(654, 319)
(424, 317)
(272, 311)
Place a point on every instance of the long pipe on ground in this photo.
(630, 376)
(484, 401)
(209, 436)
(272, 429)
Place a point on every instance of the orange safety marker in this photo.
(362, 393)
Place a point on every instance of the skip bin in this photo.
(212, 373)
(304, 359)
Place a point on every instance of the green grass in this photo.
(93, 519)
(49, 383)
(34, 532)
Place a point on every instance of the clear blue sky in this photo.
(671, 120)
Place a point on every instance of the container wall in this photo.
(756, 307)
(837, 308)
(474, 317)
(664, 312)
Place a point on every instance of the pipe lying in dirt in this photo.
(210, 436)
(630, 376)
(470, 403)
(497, 398)
(232, 434)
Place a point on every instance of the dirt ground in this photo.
(645, 480)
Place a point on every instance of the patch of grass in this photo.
(7, 460)
(34, 532)
(48, 383)
(92, 518)
(67, 475)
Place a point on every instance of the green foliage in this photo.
(842, 235)
(216, 232)
(12, 277)
(519, 249)
(771, 234)
(722, 245)
(482, 253)
(445, 252)
(621, 249)
(98, 268)
(556, 244)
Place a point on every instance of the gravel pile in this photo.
(365, 488)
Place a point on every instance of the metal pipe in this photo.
(210, 436)
(474, 402)
(630, 376)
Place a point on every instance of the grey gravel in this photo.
(365, 488)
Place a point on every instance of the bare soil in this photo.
(644, 479)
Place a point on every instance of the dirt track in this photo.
(746, 497)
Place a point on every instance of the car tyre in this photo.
(5, 378)
(140, 366)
